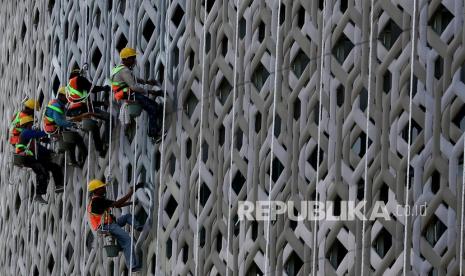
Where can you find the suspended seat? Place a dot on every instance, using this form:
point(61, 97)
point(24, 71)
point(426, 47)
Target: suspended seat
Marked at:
point(111, 247)
point(89, 125)
point(134, 109)
point(70, 136)
point(63, 146)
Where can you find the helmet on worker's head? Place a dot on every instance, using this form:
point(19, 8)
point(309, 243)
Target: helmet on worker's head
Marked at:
point(76, 71)
point(127, 53)
point(31, 104)
point(26, 119)
point(62, 90)
point(95, 184)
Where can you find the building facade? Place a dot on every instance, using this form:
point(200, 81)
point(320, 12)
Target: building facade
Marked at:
point(290, 100)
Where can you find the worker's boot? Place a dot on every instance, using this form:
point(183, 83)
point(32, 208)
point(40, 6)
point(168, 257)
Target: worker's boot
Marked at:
point(39, 199)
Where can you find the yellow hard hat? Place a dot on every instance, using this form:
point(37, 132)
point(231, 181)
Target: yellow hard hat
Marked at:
point(95, 184)
point(62, 90)
point(31, 104)
point(127, 52)
point(26, 119)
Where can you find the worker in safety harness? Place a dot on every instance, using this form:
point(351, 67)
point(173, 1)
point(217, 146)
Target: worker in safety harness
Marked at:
point(125, 87)
point(41, 162)
point(28, 110)
point(54, 121)
point(79, 89)
point(101, 218)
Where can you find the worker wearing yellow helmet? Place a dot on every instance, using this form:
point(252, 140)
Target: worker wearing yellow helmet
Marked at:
point(38, 158)
point(126, 86)
point(29, 105)
point(101, 218)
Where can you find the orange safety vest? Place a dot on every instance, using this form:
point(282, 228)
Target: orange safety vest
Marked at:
point(76, 97)
point(49, 124)
point(95, 220)
point(15, 130)
point(120, 89)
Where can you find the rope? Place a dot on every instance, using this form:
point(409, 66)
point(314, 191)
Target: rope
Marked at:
point(87, 201)
point(315, 224)
point(63, 220)
point(409, 137)
point(134, 169)
point(267, 249)
point(365, 186)
point(199, 157)
point(462, 210)
point(236, 53)
point(162, 141)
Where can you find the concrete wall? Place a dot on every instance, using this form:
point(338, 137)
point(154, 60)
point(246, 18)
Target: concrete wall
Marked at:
point(309, 79)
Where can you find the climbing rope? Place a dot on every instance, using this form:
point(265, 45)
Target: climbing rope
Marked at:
point(63, 208)
point(199, 156)
point(412, 62)
point(133, 206)
point(236, 53)
point(87, 201)
point(462, 210)
point(162, 151)
point(268, 222)
point(315, 223)
point(365, 186)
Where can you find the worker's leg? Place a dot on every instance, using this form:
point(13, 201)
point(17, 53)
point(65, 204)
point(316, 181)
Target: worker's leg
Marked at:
point(153, 111)
point(127, 219)
point(56, 171)
point(42, 176)
point(124, 240)
point(82, 148)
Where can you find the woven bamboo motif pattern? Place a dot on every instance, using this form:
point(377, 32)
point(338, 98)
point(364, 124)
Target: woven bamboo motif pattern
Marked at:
point(307, 60)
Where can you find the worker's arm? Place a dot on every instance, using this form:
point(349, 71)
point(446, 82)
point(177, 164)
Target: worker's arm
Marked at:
point(97, 89)
point(60, 119)
point(126, 76)
point(121, 202)
point(32, 134)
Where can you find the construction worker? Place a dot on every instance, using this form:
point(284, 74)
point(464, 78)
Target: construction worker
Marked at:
point(28, 110)
point(79, 89)
point(125, 87)
point(100, 218)
point(41, 162)
point(55, 121)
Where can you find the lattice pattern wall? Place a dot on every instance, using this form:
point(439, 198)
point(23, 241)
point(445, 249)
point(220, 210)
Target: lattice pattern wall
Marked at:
point(196, 61)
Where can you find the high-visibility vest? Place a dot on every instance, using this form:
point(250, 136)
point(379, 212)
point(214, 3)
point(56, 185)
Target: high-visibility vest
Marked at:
point(25, 149)
point(76, 97)
point(49, 123)
point(15, 130)
point(120, 89)
point(96, 220)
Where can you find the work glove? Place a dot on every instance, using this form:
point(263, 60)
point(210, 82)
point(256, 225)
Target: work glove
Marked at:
point(156, 93)
point(139, 186)
point(107, 88)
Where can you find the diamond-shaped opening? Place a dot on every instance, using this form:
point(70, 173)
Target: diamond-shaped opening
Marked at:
point(336, 254)
point(51, 264)
point(441, 19)
point(293, 264)
point(414, 131)
point(97, 18)
point(172, 164)
point(299, 63)
point(342, 48)
point(221, 135)
point(224, 46)
point(259, 76)
point(69, 252)
point(171, 206)
point(51, 5)
point(89, 240)
point(254, 270)
point(382, 243)
point(238, 138)
point(433, 272)
point(438, 67)
point(297, 108)
point(56, 85)
point(223, 91)
point(17, 203)
point(313, 158)
point(122, 6)
point(177, 15)
point(204, 151)
point(190, 102)
point(434, 230)
point(340, 95)
point(242, 27)
point(23, 31)
point(75, 32)
point(363, 99)
point(277, 125)
point(169, 248)
point(435, 181)
point(96, 57)
point(459, 118)
point(36, 271)
point(359, 146)
point(389, 34)
point(300, 17)
point(210, 4)
point(202, 236)
point(238, 182)
point(188, 148)
point(384, 193)
point(261, 31)
point(204, 194)
point(36, 18)
point(258, 122)
point(148, 30)
point(121, 43)
point(278, 168)
point(387, 81)
point(185, 253)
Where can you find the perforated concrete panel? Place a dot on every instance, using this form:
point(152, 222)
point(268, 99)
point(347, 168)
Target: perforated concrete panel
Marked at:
point(258, 91)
